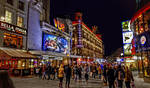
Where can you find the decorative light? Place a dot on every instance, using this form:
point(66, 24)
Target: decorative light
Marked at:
point(2, 18)
point(32, 60)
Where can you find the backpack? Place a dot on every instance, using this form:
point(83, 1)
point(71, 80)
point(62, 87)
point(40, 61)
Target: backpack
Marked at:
point(120, 75)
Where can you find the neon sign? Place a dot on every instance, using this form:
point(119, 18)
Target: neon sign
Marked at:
point(79, 34)
point(143, 40)
point(59, 25)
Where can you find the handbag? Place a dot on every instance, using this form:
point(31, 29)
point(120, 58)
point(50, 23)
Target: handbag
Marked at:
point(133, 85)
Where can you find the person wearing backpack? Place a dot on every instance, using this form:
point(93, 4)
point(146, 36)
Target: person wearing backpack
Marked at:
point(128, 77)
point(120, 75)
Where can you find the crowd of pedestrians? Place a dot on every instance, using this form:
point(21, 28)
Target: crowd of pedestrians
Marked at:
point(117, 76)
point(113, 75)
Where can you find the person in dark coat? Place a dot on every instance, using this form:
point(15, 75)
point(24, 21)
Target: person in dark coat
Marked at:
point(120, 75)
point(40, 72)
point(48, 71)
point(68, 75)
point(5, 80)
point(105, 74)
point(111, 77)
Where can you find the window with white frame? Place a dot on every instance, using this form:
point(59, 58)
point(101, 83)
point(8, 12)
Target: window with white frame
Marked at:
point(20, 21)
point(8, 16)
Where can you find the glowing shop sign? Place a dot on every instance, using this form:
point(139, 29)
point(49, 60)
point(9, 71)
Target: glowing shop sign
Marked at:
point(12, 28)
point(59, 25)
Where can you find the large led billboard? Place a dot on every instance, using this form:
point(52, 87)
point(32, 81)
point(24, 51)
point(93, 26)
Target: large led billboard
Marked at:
point(127, 37)
point(55, 43)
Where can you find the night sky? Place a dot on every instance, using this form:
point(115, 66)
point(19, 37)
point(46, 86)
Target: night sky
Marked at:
point(106, 14)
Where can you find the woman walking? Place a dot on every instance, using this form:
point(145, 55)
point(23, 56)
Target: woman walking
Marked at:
point(61, 75)
point(128, 77)
point(86, 73)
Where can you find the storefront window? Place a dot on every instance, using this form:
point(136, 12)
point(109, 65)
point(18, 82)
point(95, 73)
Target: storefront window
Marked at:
point(21, 5)
point(12, 41)
point(8, 17)
point(10, 2)
point(20, 21)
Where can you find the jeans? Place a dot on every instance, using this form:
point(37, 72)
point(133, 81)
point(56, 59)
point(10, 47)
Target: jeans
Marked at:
point(127, 84)
point(48, 76)
point(111, 84)
point(120, 83)
point(67, 81)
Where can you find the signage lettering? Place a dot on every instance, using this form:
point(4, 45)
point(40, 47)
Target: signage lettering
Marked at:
point(59, 25)
point(12, 28)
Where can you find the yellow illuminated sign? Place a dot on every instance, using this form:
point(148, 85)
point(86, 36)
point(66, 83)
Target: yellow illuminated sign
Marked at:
point(59, 25)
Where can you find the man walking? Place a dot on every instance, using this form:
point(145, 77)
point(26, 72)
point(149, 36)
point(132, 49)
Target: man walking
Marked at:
point(111, 77)
point(120, 75)
point(68, 75)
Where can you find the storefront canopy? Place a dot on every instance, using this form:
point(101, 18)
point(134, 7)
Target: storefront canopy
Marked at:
point(16, 53)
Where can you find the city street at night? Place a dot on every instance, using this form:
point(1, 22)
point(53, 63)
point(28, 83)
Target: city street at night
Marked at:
point(74, 43)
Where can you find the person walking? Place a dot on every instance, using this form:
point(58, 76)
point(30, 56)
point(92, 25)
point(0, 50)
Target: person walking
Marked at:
point(105, 75)
point(75, 72)
point(87, 73)
point(128, 77)
point(5, 81)
point(99, 71)
point(68, 75)
point(79, 71)
point(111, 77)
point(53, 72)
point(120, 75)
point(61, 75)
point(43, 72)
point(48, 70)
point(40, 72)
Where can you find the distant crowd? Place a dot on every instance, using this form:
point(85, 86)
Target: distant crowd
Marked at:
point(113, 75)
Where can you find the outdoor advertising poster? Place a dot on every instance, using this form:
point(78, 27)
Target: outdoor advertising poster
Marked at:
point(54, 43)
point(126, 26)
point(127, 37)
point(127, 49)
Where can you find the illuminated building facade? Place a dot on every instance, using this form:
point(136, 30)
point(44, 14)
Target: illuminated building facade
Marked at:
point(140, 25)
point(13, 35)
point(85, 42)
point(50, 42)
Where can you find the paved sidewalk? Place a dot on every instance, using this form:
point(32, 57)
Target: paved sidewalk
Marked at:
point(38, 83)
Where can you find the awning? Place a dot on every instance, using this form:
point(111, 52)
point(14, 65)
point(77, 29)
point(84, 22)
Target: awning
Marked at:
point(16, 53)
point(48, 53)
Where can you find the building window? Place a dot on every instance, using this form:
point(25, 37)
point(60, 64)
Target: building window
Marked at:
point(8, 16)
point(10, 2)
point(12, 41)
point(20, 21)
point(21, 5)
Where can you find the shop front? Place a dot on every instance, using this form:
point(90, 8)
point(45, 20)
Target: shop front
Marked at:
point(17, 62)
